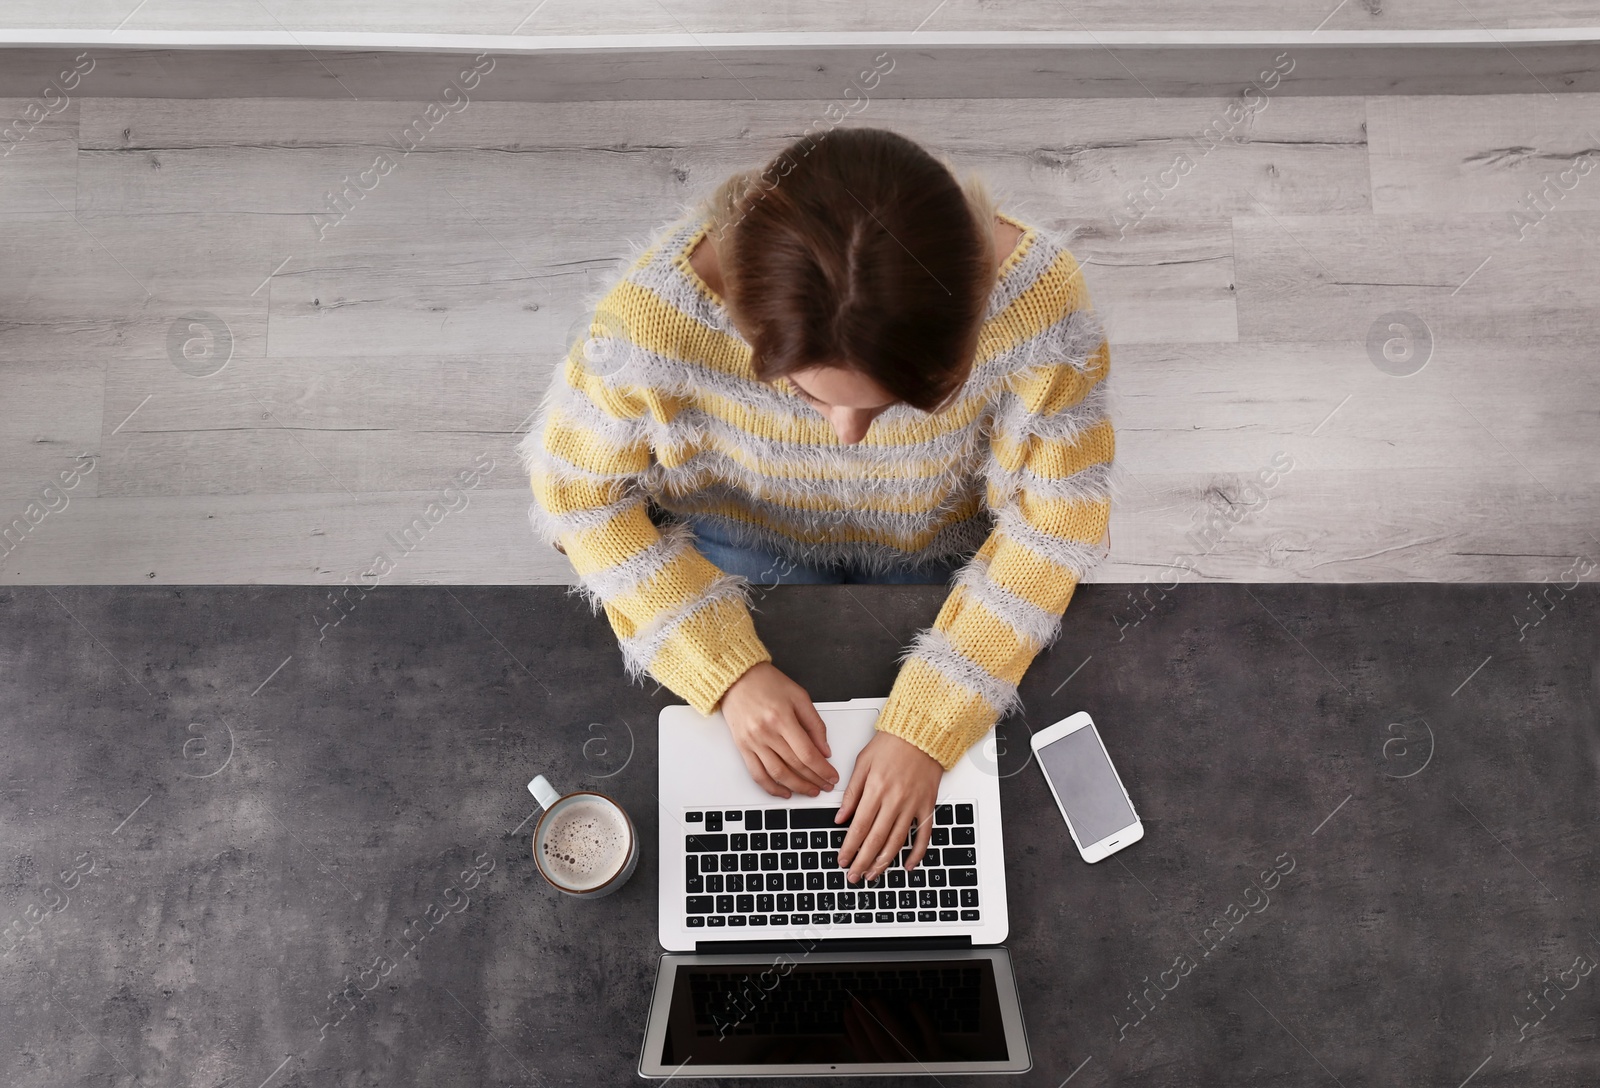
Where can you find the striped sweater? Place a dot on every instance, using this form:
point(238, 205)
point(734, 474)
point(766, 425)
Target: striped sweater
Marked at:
point(660, 405)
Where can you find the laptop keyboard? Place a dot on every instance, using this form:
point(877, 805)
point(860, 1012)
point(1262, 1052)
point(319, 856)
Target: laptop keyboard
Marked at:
point(779, 867)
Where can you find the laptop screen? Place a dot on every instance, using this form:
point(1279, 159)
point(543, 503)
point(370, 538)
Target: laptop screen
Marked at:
point(800, 1010)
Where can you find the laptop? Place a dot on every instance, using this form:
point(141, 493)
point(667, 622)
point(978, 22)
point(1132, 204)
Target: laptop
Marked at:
point(774, 966)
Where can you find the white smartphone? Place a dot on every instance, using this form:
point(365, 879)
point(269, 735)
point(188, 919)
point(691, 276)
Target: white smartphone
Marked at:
point(1090, 795)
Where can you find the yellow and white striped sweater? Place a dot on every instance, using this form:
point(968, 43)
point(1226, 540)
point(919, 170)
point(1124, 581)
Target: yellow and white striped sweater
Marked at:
point(661, 404)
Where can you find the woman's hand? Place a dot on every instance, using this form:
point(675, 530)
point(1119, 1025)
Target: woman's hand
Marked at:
point(893, 782)
point(779, 733)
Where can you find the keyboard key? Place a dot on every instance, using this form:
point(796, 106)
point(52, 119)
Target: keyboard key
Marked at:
point(936, 878)
point(836, 837)
point(867, 900)
point(819, 840)
point(969, 897)
point(847, 900)
point(691, 865)
point(752, 819)
point(836, 879)
point(716, 920)
point(705, 844)
point(963, 836)
point(778, 920)
point(947, 898)
point(930, 857)
point(800, 919)
point(775, 819)
point(738, 841)
point(897, 877)
point(729, 863)
point(736, 920)
point(758, 919)
point(948, 916)
point(694, 921)
point(922, 916)
point(814, 882)
point(786, 902)
point(862, 917)
point(884, 916)
point(908, 899)
point(876, 882)
point(698, 904)
point(789, 860)
point(794, 881)
point(829, 859)
point(713, 882)
point(964, 878)
point(745, 903)
point(724, 904)
point(927, 897)
point(812, 817)
point(917, 878)
point(733, 882)
point(694, 884)
point(805, 901)
point(941, 836)
point(943, 814)
point(906, 916)
point(960, 855)
point(820, 919)
point(774, 882)
point(713, 821)
point(841, 919)
point(758, 841)
point(694, 817)
point(769, 862)
point(779, 840)
point(810, 860)
point(963, 814)
point(749, 863)
point(826, 901)
point(765, 906)
point(734, 814)
point(969, 916)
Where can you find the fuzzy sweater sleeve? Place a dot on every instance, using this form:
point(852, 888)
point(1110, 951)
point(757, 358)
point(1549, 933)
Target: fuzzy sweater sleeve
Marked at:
point(677, 617)
point(1048, 487)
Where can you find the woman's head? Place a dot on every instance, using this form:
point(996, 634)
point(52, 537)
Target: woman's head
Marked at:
point(858, 268)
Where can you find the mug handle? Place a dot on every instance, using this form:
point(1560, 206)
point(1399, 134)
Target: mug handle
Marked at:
point(543, 791)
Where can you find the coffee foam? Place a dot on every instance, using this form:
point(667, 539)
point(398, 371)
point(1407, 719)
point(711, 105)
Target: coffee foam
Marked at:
point(585, 844)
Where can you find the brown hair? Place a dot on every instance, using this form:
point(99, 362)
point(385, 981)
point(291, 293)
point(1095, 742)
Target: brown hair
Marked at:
point(858, 248)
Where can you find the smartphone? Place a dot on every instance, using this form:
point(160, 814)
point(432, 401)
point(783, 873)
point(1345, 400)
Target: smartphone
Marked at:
point(1086, 787)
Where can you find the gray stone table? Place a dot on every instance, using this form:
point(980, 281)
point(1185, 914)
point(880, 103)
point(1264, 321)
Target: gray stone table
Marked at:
point(212, 821)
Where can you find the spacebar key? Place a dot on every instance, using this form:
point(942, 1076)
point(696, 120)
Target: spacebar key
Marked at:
point(812, 817)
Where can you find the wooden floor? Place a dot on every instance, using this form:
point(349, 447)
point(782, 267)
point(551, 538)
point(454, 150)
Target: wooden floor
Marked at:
point(725, 16)
point(370, 367)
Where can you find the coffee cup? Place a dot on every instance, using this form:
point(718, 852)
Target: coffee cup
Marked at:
point(584, 843)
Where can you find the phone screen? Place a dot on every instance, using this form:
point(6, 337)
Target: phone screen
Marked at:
point(1087, 785)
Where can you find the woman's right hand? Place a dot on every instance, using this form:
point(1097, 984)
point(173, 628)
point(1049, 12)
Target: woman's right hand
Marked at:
point(779, 733)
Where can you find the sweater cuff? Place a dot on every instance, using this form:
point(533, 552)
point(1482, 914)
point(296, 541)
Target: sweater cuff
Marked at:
point(708, 652)
point(941, 718)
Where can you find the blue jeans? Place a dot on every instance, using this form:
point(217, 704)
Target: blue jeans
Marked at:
point(768, 568)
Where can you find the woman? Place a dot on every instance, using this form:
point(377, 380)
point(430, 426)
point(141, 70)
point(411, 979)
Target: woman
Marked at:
point(847, 367)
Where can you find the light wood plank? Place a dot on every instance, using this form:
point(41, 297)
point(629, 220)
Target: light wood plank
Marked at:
point(1485, 154)
point(52, 412)
point(38, 169)
point(1467, 276)
point(1168, 281)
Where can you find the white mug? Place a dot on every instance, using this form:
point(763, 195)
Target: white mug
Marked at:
point(576, 841)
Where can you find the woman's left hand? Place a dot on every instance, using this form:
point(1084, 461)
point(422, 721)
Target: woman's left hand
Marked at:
point(893, 782)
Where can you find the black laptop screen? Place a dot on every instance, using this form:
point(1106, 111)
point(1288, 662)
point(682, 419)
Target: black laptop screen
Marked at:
point(789, 1012)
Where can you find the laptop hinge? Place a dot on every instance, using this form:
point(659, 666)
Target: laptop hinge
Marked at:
point(802, 946)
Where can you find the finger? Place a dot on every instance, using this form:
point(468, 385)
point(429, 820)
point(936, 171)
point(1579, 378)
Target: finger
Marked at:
point(786, 776)
point(760, 775)
point(851, 853)
point(809, 756)
point(875, 844)
point(894, 840)
point(814, 725)
point(852, 791)
point(924, 833)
